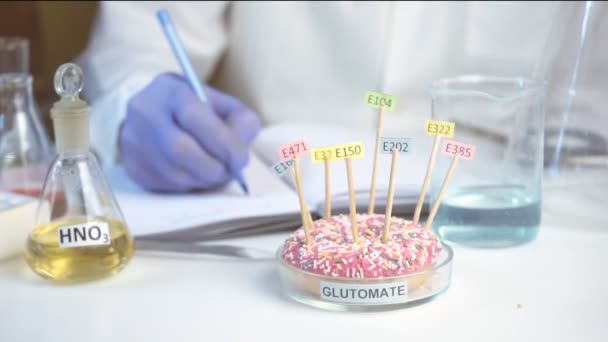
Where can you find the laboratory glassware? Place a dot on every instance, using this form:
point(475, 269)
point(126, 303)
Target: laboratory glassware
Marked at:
point(14, 55)
point(576, 136)
point(80, 232)
point(24, 146)
point(494, 200)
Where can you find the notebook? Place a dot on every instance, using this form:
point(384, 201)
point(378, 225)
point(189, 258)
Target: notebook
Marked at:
point(273, 203)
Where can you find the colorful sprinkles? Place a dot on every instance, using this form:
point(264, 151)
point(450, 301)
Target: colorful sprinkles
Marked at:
point(333, 252)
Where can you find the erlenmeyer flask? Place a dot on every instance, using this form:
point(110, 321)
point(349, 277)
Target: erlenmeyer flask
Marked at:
point(576, 138)
point(24, 146)
point(80, 233)
point(574, 65)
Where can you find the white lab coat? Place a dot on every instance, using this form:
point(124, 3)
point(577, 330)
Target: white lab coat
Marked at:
point(309, 61)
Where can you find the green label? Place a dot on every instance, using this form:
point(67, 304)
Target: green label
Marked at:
point(377, 100)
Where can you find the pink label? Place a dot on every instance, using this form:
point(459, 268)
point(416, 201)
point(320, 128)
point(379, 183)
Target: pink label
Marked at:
point(464, 151)
point(289, 151)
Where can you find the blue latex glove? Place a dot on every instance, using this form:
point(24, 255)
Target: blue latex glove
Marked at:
point(172, 142)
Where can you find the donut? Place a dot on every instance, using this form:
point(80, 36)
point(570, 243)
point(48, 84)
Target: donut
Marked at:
point(409, 250)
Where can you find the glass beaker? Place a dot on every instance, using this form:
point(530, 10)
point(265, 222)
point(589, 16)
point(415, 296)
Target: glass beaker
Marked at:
point(14, 55)
point(24, 147)
point(576, 139)
point(495, 199)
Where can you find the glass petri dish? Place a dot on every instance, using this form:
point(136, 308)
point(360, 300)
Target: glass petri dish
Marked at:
point(366, 294)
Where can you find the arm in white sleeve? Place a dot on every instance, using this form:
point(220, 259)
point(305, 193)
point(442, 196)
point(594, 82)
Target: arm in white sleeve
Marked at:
point(127, 49)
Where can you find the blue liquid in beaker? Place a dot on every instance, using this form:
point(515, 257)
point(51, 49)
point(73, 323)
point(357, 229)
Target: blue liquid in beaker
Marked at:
point(489, 216)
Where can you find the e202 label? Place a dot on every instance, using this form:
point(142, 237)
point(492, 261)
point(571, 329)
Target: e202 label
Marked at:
point(388, 144)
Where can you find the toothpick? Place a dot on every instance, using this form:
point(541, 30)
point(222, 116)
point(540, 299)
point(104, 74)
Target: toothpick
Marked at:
point(391, 192)
point(351, 194)
point(444, 186)
point(427, 177)
point(372, 190)
point(327, 192)
point(306, 219)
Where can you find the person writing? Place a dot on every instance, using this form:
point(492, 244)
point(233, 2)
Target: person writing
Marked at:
point(279, 62)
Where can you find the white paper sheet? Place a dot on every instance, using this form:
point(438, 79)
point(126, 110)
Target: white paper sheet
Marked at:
point(152, 213)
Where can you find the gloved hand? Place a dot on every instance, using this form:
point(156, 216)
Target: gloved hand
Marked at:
point(173, 142)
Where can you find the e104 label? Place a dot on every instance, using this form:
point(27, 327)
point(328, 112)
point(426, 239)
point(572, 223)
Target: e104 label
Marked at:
point(442, 128)
point(462, 150)
point(388, 144)
point(379, 100)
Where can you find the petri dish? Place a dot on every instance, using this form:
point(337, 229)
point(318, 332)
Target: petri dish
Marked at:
point(366, 294)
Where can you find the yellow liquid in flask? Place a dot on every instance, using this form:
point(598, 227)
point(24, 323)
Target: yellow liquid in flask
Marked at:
point(76, 264)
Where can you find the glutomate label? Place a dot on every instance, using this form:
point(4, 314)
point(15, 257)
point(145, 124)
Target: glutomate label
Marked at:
point(364, 294)
point(86, 234)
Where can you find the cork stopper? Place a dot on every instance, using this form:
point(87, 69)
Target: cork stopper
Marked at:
point(70, 114)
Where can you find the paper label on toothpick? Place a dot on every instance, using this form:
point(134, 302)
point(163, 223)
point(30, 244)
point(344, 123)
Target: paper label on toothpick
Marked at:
point(377, 100)
point(281, 167)
point(293, 149)
point(364, 293)
point(443, 128)
point(351, 150)
point(319, 154)
point(388, 144)
point(92, 233)
point(464, 151)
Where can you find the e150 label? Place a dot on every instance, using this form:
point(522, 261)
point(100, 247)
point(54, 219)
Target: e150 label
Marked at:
point(352, 150)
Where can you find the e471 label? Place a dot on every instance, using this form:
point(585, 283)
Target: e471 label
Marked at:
point(292, 150)
point(92, 233)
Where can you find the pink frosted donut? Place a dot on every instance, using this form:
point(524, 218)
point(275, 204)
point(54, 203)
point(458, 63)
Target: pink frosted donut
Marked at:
point(332, 252)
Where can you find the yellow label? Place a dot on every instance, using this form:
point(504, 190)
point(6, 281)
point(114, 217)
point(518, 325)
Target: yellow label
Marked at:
point(319, 154)
point(377, 100)
point(351, 150)
point(443, 128)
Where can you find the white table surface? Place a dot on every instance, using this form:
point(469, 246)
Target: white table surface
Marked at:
point(560, 280)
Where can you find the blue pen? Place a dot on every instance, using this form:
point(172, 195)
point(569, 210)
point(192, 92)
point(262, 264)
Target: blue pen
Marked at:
point(188, 70)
